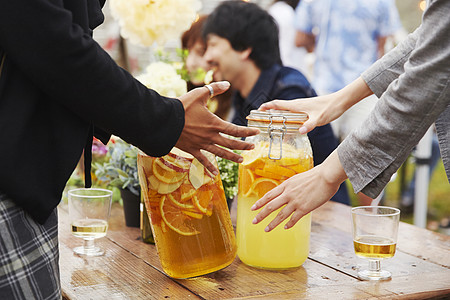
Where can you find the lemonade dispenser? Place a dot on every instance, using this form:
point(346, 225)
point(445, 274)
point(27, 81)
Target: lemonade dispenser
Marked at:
point(280, 152)
point(189, 215)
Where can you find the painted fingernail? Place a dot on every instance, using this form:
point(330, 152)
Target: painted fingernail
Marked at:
point(240, 160)
point(254, 221)
point(267, 229)
point(215, 172)
point(302, 130)
point(253, 207)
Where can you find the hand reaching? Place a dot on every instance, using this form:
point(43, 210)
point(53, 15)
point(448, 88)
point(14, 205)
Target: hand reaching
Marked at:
point(204, 131)
point(301, 193)
point(323, 109)
point(320, 110)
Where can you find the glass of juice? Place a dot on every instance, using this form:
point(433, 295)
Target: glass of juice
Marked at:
point(189, 215)
point(89, 211)
point(280, 152)
point(375, 238)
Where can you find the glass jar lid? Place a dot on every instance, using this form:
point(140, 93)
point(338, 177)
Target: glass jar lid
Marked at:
point(289, 120)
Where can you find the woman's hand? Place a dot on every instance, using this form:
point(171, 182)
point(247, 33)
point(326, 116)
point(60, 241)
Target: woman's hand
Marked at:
point(319, 110)
point(301, 193)
point(323, 109)
point(204, 131)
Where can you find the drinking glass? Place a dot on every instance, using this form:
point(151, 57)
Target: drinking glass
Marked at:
point(375, 237)
point(89, 210)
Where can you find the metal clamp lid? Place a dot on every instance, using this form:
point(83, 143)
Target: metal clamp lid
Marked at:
point(276, 132)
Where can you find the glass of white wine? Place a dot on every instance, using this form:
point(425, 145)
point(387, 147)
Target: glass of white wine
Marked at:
point(375, 237)
point(89, 210)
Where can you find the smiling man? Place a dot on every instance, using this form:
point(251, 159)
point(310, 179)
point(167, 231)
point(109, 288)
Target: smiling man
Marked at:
point(242, 44)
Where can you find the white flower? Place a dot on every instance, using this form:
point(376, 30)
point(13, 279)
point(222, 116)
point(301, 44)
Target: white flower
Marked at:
point(163, 78)
point(144, 22)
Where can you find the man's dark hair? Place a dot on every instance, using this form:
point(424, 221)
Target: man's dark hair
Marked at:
point(246, 25)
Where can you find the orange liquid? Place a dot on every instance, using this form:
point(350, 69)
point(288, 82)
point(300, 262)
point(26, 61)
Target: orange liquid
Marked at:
point(279, 249)
point(191, 225)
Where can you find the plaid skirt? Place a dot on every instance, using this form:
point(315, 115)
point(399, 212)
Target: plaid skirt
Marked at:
point(28, 254)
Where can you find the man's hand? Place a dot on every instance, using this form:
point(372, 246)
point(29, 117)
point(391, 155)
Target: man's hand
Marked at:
point(204, 131)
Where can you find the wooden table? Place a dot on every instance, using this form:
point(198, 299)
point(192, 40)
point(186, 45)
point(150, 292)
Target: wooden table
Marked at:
point(130, 269)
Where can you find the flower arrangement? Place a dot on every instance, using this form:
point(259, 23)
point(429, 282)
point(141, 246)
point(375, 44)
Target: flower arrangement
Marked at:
point(120, 167)
point(229, 174)
point(145, 22)
point(163, 78)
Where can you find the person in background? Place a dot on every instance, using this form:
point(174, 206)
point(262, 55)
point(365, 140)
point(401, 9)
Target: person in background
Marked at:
point(413, 84)
point(346, 36)
point(242, 43)
point(58, 89)
point(197, 68)
point(283, 11)
point(408, 195)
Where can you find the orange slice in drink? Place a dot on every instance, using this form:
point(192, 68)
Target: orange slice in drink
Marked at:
point(186, 191)
point(175, 219)
point(166, 174)
point(304, 165)
point(289, 161)
point(262, 185)
point(253, 158)
point(153, 196)
point(167, 188)
point(201, 200)
point(192, 214)
point(274, 171)
point(176, 202)
point(153, 183)
point(161, 187)
point(246, 179)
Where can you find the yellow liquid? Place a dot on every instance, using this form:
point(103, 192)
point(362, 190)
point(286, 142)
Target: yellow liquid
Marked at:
point(278, 249)
point(89, 228)
point(374, 247)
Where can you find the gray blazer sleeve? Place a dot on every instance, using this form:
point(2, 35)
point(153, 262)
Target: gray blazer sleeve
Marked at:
point(412, 82)
point(384, 71)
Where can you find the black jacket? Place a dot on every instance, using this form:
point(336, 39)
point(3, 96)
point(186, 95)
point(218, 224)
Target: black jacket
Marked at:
point(57, 85)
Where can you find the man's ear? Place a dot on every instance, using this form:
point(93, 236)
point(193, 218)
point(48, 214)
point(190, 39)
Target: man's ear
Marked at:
point(246, 53)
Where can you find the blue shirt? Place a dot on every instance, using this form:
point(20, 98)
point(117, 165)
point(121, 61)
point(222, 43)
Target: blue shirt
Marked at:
point(286, 83)
point(347, 33)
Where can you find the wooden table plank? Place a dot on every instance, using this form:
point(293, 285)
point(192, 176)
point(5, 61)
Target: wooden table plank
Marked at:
point(334, 248)
point(119, 274)
point(432, 246)
point(131, 269)
point(232, 282)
